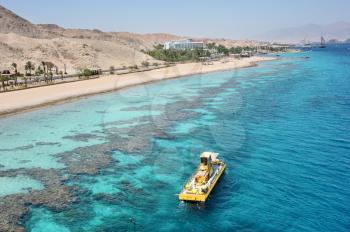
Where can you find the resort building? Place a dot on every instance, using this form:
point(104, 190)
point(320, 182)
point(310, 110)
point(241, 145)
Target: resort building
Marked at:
point(183, 44)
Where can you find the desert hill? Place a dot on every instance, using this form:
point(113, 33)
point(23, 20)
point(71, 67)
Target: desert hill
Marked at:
point(22, 41)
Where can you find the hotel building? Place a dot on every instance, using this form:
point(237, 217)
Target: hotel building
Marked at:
point(183, 44)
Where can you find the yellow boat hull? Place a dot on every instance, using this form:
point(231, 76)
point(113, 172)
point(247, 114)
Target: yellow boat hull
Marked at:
point(203, 196)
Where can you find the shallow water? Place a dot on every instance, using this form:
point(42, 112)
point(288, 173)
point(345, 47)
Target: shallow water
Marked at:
point(282, 127)
point(18, 184)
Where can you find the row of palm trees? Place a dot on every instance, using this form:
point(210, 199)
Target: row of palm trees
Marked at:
point(45, 69)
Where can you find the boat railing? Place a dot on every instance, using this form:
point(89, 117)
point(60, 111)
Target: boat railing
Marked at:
point(214, 175)
point(189, 180)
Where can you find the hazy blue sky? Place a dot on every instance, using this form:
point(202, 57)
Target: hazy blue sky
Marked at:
point(215, 18)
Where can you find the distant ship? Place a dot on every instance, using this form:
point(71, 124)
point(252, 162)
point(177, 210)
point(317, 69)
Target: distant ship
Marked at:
point(323, 43)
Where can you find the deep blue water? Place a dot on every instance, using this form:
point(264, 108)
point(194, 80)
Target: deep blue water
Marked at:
point(282, 127)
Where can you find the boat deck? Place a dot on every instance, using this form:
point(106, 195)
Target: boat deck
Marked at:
point(194, 193)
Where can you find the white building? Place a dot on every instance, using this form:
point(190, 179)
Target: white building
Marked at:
point(183, 44)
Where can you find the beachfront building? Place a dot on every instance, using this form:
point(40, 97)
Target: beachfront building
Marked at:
point(183, 44)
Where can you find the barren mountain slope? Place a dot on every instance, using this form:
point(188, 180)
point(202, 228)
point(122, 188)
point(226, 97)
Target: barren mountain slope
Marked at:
point(75, 53)
point(22, 41)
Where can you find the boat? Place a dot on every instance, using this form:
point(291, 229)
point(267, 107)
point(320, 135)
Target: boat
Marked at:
point(323, 43)
point(204, 179)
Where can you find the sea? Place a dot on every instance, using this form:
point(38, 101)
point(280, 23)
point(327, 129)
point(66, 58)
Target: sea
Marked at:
point(282, 127)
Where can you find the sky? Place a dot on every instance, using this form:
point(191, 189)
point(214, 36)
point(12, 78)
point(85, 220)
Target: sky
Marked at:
point(234, 19)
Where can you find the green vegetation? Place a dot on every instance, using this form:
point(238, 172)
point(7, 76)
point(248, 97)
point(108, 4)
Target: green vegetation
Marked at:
point(49, 67)
point(212, 50)
point(29, 67)
point(173, 55)
point(46, 70)
point(39, 71)
point(2, 80)
point(239, 50)
point(223, 50)
point(86, 72)
point(89, 72)
point(14, 65)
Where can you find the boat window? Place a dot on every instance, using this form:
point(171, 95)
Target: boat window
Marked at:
point(204, 160)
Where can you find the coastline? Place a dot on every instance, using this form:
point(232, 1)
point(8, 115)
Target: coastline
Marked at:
point(28, 99)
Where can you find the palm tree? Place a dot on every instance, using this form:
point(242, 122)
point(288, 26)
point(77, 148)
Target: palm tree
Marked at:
point(3, 79)
point(51, 76)
point(39, 71)
point(47, 66)
point(14, 65)
point(45, 74)
point(50, 66)
point(43, 63)
point(61, 73)
point(29, 67)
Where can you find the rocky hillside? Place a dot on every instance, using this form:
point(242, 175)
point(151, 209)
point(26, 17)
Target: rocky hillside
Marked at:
point(21, 41)
point(12, 23)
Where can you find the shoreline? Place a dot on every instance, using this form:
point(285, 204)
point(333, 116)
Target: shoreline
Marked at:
point(33, 98)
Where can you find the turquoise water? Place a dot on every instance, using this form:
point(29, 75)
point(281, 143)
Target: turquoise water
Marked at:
point(283, 128)
point(18, 184)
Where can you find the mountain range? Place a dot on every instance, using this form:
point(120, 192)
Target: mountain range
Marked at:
point(309, 32)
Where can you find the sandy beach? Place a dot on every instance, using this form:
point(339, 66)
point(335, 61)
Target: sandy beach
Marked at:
point(16, 101)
